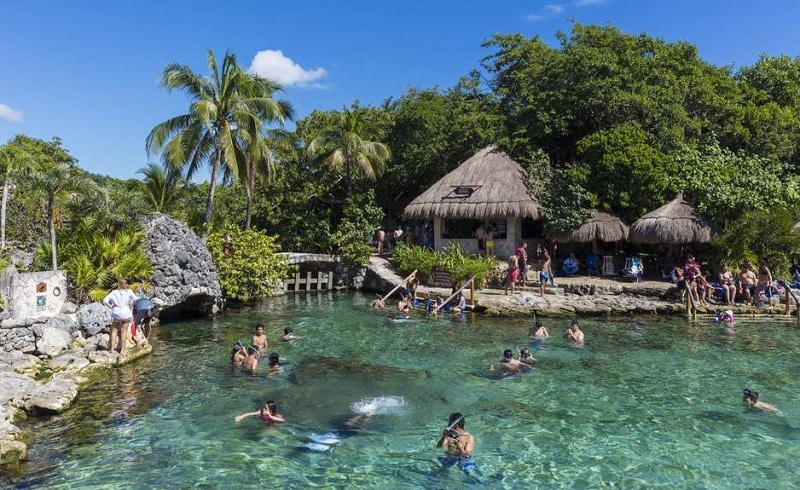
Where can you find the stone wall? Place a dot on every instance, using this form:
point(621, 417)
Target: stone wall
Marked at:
point(35, 294)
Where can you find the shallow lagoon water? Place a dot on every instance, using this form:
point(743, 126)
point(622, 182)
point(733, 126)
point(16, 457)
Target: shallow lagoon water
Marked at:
point(647, 402)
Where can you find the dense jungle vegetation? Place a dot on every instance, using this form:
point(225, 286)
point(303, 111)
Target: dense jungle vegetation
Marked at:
point(605, 119)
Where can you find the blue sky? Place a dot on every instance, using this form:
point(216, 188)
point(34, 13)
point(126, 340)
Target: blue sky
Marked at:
point(87, 71)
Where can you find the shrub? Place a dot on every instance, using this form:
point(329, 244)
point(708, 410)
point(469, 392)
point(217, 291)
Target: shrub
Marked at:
point(247, 262)
point(452, 259)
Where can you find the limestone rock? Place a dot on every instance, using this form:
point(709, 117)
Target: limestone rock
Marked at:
point(19, 361)
point(94, 318)
point(13, 385)
point(185, 278)
point(54, 396)
point(69, 362)
point(55, 336)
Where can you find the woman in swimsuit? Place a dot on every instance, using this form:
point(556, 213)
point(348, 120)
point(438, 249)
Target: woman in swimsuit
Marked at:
point(269, 414)
point(726, 281)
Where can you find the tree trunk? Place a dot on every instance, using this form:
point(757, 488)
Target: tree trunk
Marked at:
point(211, 186)
point(51, 219)
point(249, 187)
point(3, 215)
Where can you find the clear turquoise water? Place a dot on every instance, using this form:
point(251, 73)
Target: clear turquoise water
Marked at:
point(648, 403)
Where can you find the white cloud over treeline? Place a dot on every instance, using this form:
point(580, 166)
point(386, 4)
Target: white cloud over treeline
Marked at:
point(7, 112)
point(274, 65)
point(554, 9)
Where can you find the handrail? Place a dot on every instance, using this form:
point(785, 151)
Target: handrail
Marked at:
point(405, 281)
point(469, 281)
point(794, 297)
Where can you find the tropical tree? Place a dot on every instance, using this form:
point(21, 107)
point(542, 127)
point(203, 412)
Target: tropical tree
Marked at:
point(351, 143)
point(7, 160)
point(57, 180)
point(161, 186)
point(222, 104)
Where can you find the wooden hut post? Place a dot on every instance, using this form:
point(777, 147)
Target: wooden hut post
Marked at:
point(472, 294)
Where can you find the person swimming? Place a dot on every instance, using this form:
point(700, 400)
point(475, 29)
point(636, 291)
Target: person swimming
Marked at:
point(509, 364)
point(288, 335)
point(538, 331)
point(250, 364)
point(750, 398)
point(268, 414)
point(238, 355)
point(275, 362)
point(724, 316)
point(526, 357)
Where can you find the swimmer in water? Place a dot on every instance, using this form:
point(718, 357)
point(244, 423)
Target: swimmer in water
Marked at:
point(458, 443)
point(238, 355)
point(526, 357)
point(288, 335)
point(260, 339)
point(538, 331)
point(250, 363)
point(268, 414)
point(575, 334)
point(750, 398)
point(275, 363)
point(509, 364)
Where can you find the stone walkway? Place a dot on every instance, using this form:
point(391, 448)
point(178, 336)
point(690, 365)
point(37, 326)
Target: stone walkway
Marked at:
point(578, 296)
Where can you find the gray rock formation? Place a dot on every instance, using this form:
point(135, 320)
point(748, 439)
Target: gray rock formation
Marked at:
point(54, 396)
point(185, 280)
point(94, 318)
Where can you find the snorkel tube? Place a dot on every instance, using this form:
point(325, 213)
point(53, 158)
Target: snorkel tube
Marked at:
point(450, 430)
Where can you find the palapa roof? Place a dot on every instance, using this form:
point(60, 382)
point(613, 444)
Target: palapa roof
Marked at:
point(488, 185)
point(675, 223)
point(599, 226)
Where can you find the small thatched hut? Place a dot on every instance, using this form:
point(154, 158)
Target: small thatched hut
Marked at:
point(600, 226)
point(488, 190)
point(676, 223)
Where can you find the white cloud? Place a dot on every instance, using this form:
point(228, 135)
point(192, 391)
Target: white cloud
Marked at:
point(553, 8)
point(581, 3)
point(534, 18)
point(10, 114)
point(272, 64)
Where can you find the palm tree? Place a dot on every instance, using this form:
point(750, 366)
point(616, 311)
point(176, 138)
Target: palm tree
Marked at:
point(347, 144)
point(57, 180)
point(161, 186)
point(221, 104)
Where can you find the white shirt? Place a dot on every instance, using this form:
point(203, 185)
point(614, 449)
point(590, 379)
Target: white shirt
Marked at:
point(120, 301)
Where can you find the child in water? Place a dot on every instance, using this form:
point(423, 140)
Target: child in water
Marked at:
point(288, 335)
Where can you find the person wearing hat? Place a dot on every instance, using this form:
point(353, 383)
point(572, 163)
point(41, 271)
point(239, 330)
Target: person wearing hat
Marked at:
point(575, 333)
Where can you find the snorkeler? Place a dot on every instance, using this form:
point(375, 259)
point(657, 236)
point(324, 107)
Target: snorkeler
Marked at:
point(238, 355)
point(260, 339)
point(750, 397)
point(724, 316)
point(458, 443)
point(538, 331)
point(509, 364)
point(526, 357)
point(268, 414)
point(250, 363)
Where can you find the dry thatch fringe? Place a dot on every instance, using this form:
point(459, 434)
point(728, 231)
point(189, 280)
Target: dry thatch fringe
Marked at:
point(673, 223)
point(499, 189)
point(600, 226)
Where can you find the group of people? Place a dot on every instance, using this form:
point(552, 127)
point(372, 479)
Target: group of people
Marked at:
point(385, 242)
point(748, 285)
point(517, 272)
point(129, 313)
point(247, 357)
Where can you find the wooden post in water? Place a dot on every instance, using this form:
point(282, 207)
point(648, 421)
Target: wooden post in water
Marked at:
point(472, 294)
point(405, 281)
point(788, 300)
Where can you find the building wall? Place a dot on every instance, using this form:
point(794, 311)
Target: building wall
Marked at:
point(503, 248)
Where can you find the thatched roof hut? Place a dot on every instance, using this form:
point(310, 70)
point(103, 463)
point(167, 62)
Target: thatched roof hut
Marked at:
point(600, 226)
point(673, 223)
point(488, 185)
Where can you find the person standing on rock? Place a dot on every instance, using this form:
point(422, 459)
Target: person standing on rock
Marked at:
point(121, 301)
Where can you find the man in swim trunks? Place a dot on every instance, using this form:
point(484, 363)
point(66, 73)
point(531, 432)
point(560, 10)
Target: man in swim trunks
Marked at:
point(545, 273)
point(458, 443)
point(260, 339)
point(747, 283)
point(522, 253)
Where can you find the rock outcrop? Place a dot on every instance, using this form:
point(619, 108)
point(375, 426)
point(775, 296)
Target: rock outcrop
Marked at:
point(185, 281)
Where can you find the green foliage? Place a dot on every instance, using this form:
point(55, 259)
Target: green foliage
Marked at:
point(94, 261)
point(724, 185)
point(353, 235)
point(247, 262)
point(452, 259)
point(761, 235)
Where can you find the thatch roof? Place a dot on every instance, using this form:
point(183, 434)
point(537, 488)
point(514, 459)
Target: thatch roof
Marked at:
point(675, 223)
point(600, 226)
point(488, 185)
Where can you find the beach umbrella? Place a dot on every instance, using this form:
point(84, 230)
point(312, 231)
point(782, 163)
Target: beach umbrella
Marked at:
point(675, 223)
